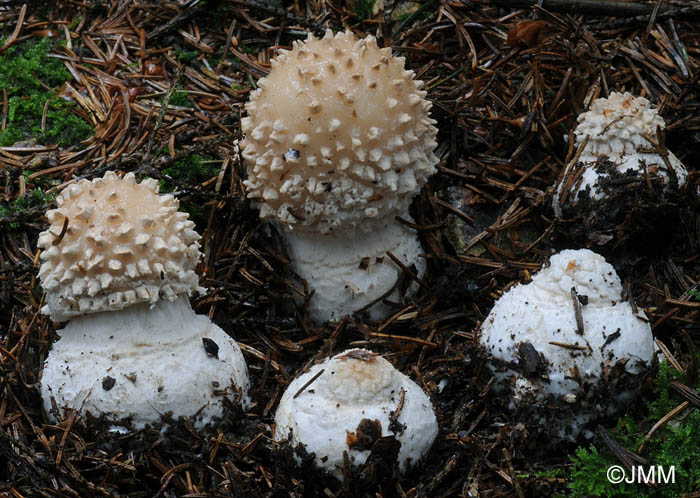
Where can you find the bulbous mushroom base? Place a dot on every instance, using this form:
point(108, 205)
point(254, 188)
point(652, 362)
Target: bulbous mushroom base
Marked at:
point(141, 364)
point(350, 269)
point(618, 203)
point(564, 375)
point(347, 406)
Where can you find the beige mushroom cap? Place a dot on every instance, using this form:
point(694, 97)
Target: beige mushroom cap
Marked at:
point(338, 132)
point(113, 243)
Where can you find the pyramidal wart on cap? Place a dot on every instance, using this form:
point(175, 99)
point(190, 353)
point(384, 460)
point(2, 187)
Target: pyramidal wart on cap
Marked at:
point(119, 263)
point(338, 142)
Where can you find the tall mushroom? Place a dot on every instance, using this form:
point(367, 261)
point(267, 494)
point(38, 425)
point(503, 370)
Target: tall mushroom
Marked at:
point(338, 142)
point(118, 262)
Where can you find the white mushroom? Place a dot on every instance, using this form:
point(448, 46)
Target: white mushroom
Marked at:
point(338, 142)
point(618, 128)
point(568, 344)
point(349, 401)
point(119, 262)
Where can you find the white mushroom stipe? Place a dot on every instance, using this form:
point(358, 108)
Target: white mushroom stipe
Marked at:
point(619, 128)
point(142, 363)
point(567, 377)
point(123, 257)
point(346, 403)
point(322, 160)
point(350, 270)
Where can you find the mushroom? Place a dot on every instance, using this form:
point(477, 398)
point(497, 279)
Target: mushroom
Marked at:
point(350, 402)
point(618, 133)
point(338, 142)
point(118, 262)
point(571, 348)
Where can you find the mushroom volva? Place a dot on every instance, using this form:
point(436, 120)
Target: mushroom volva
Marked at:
point(622, 184)
point(349, 403)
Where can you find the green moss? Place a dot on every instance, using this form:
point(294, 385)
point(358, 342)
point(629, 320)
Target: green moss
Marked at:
point(364, 8)
point(676, 444)
point(187, 172)
point(180, 99)
point(248, 49)
point(191, 170)
point(131, 65)
point(25, 73)
point(666, 398)
point(35, 198)
point(74, 23)
point(695, 294)
point(186, 56)
point(34, 201)
point(24, 66)
point(24, 121)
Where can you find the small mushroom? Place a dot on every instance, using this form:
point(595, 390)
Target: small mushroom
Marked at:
point(118, 262)
point(338, 142)
point(619, 133)
point(349, 402)
point(568, 363)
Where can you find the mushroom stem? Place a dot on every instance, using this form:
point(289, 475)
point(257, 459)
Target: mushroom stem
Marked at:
point(349, 269)
point(144, 362)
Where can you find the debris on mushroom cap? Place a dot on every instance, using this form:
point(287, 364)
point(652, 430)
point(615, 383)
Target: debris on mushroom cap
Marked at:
point(337, 404)
point(113, 243)
point(141, 363)
point(569, 341)
point(618, 124)
point(620, 128)
point(337, 132)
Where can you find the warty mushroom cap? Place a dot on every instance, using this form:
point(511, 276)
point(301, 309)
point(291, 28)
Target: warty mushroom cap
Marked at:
point(355, 389)
point(338, 132)
point(113, 243)
point(617, 125)
point(540, 318)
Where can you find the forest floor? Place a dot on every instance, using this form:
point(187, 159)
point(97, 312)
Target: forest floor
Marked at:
point(158, 88)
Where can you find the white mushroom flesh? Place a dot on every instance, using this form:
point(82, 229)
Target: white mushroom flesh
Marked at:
point(142, 363)
point(350, 270)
